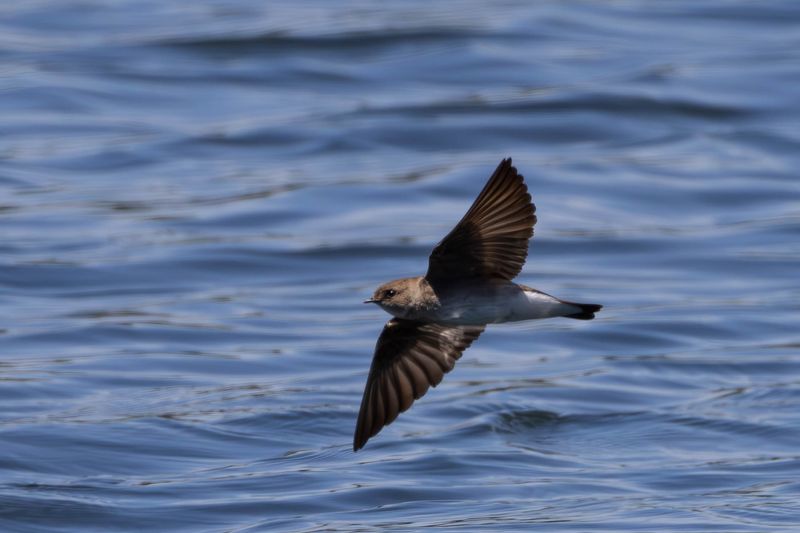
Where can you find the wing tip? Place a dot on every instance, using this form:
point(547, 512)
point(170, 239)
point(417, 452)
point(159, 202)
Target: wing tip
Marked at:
point(507, 170)
point(360, 437)
point(507, 165)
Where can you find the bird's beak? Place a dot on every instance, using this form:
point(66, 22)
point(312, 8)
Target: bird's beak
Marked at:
point(370, 301)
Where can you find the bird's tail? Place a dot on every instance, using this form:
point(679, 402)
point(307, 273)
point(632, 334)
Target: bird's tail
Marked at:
point(586, 312)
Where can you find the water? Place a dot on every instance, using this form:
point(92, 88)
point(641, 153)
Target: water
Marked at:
point(196, 196)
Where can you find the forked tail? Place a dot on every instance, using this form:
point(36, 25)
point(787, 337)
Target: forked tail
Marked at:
point(586, 312)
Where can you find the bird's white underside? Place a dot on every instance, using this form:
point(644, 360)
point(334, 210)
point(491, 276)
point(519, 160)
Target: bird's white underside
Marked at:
point(476, 309)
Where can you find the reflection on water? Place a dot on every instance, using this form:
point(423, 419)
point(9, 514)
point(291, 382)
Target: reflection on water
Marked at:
point(194, 200)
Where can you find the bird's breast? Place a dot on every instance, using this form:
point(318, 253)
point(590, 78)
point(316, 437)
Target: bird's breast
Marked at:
point(495, 304)
point(474, 306)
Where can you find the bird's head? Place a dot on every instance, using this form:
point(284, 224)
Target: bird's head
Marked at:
point(395, 297)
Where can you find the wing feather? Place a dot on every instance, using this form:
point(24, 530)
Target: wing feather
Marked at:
point(410, 357)
point(491, 240)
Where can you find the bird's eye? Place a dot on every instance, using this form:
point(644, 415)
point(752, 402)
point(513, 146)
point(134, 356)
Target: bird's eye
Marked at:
point(389, 294)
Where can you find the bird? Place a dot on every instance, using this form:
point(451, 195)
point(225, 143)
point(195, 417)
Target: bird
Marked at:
point(467, 286)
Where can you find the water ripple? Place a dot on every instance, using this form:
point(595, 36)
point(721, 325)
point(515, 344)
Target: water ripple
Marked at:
point(195, 199)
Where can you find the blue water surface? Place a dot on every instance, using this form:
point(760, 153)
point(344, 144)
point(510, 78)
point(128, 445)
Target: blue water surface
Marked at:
point(195, 197)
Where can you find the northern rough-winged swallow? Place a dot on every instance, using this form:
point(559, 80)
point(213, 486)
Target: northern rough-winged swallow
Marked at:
point(468, 285)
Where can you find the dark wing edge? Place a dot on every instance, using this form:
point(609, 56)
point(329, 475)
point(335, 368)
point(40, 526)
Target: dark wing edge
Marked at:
point(410, 357)
point(491, 240)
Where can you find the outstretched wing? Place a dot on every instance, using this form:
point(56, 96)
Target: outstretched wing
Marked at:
point(491, 241)
point(409, 358)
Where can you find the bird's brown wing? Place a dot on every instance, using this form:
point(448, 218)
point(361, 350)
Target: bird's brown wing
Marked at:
point(491, 241)
point(409, 358)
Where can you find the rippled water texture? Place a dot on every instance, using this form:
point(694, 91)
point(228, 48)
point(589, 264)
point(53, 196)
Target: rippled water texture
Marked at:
point(195, 197)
